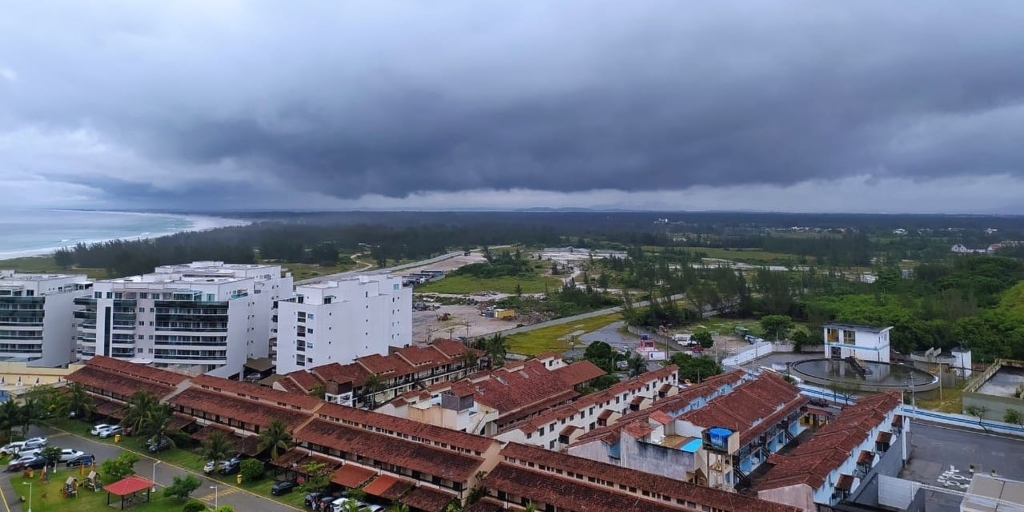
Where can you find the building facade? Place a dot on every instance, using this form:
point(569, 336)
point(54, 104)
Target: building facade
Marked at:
point(863, 342)
point(203, 317)
point(37, 316)
point(338, 321)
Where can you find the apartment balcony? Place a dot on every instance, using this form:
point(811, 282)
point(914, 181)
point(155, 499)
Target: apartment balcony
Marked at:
point(85, 301)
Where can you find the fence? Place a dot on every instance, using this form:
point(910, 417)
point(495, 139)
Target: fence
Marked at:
point(759, 349)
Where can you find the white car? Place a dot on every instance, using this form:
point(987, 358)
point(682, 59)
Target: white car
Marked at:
point(67, 454)
point(33, 452)
point(213, 465)
point(12, 448)
point(99, 428)
point(35, 442)
point(110, 431)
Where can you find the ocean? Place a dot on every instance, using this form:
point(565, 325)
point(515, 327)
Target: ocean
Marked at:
point(34, 232)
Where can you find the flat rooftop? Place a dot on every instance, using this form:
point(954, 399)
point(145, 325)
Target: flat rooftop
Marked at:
point(993, 494)
point(856, 327)
point(1004, 382)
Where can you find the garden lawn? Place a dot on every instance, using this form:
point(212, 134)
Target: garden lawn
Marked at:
point(548, 339)
point(506, 284)
point(87, 500)
point(751, 256)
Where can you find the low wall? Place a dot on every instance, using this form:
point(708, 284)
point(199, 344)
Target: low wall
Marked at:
point(756, 351)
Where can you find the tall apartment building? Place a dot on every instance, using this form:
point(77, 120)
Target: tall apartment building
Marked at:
point(203, 317)
point(37, 320)
point(338, 321)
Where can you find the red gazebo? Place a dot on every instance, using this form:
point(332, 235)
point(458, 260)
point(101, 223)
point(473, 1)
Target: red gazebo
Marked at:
point(128, 487)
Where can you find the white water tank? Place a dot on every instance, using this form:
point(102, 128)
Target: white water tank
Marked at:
point(963, 362)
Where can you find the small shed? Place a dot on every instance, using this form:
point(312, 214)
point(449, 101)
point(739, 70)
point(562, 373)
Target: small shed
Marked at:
point(128, 489)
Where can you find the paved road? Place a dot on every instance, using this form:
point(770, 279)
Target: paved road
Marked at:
point(238, 498)
point(936, 448)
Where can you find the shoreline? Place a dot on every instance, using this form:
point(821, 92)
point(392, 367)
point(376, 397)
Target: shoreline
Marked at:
point(197, 223)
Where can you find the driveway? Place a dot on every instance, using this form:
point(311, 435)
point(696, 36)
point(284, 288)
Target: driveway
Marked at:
point(238, 498)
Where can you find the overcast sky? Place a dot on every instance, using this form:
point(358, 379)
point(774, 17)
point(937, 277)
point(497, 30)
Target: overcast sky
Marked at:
point(872, 106)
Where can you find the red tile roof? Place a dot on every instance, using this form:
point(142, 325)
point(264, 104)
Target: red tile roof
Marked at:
point(128, 485)
point(397, 489)
point(390, 450)
point(352, 476)
point(256, 393)
point(638, 429)
point(811, 462)
point(453, 438)
point(342, 373)
point(565, 493)
point(597, 398)
point(661, 417)
point(125, 385)
point(239, 409)
point(139, 371)
point(428, 499)
point(519, 454)
point(380, 484)
point(484, 506)
point(710, 386)
point(751, 408)
point(451, 348)
point(404, 361)
point(579, 372)
point(527, 389)
point(306, 381)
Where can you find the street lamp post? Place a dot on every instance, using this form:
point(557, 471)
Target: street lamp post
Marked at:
point(154, 474)
point(214, 487)
point(29, 484)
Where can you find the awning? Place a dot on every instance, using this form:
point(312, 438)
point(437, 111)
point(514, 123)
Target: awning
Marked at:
point(352, 476)
point(387, 485)
point(111, 409)
point(261, 364)
point(290, 458)
point(884, 437)
point(179, 422)
point(845, 483)
point(428, 499)
point(865, 458)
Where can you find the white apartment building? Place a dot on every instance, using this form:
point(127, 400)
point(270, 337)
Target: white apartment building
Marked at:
point(338, 321)
point(37, 316)
point(201, 317)
point(864, 342)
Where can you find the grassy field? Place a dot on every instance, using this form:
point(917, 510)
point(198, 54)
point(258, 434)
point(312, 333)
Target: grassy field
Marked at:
point(469, 284)
point(302, 271)
point(48, 498)
point(181, 458)
point(951, 402)
point(45, 264)
point(547, 339)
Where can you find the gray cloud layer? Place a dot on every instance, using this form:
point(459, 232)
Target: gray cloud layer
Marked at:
point(392, 98)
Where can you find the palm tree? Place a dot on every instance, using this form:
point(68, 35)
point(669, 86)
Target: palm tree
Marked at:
point(159, 419)
point(10, 417)
point(637, 365)
point(497, 348)
point(469, 359)
point(398, 507)
point(139, 411)
point(79, 402)
point(216, 446)
point(30, 414)
point(275, 437)
point(530, 507)
point(371, 387)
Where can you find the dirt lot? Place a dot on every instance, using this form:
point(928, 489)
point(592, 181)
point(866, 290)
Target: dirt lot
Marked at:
point(426, 323)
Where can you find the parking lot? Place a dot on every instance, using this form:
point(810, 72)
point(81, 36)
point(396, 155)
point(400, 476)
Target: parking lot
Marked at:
point(224, 494)
point(942, 457)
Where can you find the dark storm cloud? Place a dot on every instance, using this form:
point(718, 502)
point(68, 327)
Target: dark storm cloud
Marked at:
point(399, 97)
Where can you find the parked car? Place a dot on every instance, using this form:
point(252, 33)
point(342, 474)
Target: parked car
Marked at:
point(158, 445)
point(99, 428)
point(327, 500)
point(369, 507)
point(111, 431)
point(233, 466)
point(26, 462)
point(68, 453)
point(819, 402)
point(12, 448)
point(212, 466)
point(340, 504)
point(34, 452)
point(35, 442)
point(312, 498)
point(283, 487)
point(85, 459)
